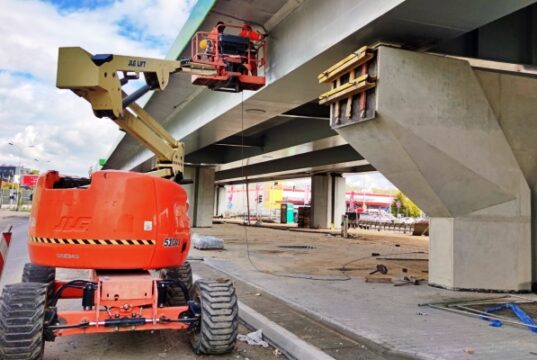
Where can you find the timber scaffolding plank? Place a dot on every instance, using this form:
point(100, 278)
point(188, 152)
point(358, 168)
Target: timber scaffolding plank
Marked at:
point(350, 78)
point(346, 90)
point(351, 62)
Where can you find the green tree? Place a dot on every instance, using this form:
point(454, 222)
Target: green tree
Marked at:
point(407, 206)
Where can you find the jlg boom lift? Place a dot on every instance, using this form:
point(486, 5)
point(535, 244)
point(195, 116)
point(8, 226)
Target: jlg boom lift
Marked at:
point(120, 225)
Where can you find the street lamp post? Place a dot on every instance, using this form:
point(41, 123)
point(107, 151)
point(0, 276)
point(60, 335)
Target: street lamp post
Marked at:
point(41, 162)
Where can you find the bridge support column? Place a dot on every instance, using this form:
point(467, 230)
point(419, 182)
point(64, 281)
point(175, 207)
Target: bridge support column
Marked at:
point(200, 195)
point(219, 200)
point(460, 142)
point(327, 200)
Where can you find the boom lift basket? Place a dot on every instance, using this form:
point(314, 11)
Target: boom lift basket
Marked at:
point(240, 62)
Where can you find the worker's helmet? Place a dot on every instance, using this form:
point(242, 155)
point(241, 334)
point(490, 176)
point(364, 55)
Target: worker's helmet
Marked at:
point(220, 26)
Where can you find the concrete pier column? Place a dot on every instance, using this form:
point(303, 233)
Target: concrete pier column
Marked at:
point(200, 195)
point(219, 200)
point(461, 143)
point(327, 200)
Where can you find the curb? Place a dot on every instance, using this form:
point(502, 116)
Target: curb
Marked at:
point(282, 338)
point(383, 349)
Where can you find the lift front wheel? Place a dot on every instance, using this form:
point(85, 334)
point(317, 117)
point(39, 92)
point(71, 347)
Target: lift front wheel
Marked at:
point(22, 316)
point(218, 327)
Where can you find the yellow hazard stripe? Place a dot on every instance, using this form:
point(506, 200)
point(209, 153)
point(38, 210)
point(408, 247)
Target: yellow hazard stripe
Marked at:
point(42, 240)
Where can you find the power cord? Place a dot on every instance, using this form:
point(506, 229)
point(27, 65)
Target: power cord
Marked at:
point(246, 239)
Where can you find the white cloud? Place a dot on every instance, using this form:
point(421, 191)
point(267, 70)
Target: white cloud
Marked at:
point(60, 126)
point(368, 181)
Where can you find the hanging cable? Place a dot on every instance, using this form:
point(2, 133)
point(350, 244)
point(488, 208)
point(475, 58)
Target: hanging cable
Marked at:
point(247, 242)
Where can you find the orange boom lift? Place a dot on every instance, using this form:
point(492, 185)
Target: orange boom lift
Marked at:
point(129, 230)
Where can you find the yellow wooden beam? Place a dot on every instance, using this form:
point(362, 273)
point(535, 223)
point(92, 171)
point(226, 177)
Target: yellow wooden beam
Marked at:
point(349, 63)
point(344, 86)
point(349, 89)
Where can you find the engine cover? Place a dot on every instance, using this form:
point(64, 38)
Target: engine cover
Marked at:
point(115, 220)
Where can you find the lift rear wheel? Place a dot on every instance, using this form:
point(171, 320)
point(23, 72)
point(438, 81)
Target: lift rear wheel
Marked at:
point(40, 274)
point(22, 316)
point(218, 327)
point(183, 273)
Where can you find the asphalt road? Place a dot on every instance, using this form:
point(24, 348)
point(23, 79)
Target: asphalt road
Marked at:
point(137, 345)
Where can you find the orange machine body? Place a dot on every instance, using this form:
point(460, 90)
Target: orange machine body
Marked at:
point(121, 220)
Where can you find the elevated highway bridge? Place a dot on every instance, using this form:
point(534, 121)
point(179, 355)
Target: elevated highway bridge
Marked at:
point(280, 131)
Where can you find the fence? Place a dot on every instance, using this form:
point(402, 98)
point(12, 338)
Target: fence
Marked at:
point(414, 229)
point(9, 199)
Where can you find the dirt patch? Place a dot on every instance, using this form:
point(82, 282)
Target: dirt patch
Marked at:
point(320, 253)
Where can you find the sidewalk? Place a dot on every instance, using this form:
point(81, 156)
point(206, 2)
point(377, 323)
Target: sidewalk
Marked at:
point(311, 331)
point(390, 317)
point(381, 313)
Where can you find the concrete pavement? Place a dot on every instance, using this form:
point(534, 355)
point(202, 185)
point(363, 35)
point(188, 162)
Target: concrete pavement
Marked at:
point(389, 316)
point(296, 325)
point(381, 313)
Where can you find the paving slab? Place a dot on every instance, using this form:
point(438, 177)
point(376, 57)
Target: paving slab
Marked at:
point(390, 316)
point(335, 344)
point(381, 313)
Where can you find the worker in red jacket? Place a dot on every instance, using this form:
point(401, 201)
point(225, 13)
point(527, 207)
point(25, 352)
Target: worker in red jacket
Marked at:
point(249, 33)
point(252, 35)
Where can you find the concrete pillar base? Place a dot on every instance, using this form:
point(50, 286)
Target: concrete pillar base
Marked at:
point(327, 200)
point(219, 200)
point(200, 195)
point(480, 253)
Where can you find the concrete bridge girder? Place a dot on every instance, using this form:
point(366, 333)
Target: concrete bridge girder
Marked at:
point(461, 144)
point(299, 49)
point(302, 43)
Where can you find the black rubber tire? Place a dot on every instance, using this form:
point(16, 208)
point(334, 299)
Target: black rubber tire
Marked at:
point(22, 316)
point(40, 274)
point(183, 273)
point(219, 324)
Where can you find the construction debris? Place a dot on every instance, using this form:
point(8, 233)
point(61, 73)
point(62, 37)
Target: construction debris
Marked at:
point(487, 308)
point(376, 279)
point(381, 268)
point(469, 351)
point(407, 280)
point(402, 259)
point(205, 242)
point(254, 338)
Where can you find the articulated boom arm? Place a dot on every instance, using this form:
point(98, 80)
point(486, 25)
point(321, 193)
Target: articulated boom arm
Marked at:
point(97, 79)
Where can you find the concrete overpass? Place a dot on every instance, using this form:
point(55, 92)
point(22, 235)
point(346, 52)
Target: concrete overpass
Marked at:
point(280, 131)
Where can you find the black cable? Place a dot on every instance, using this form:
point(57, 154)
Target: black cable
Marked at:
point(344, 269)
point(76, 284)
point(245, 177)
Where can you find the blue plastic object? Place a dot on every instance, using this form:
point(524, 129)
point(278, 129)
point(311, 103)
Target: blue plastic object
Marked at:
point(517, 310)
point(525, 318)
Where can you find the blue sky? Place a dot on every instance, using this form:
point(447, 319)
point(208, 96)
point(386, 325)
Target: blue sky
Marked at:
point(66, 6)
point(55, 126)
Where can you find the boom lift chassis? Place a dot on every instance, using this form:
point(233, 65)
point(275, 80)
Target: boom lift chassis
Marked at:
point(117, 230)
